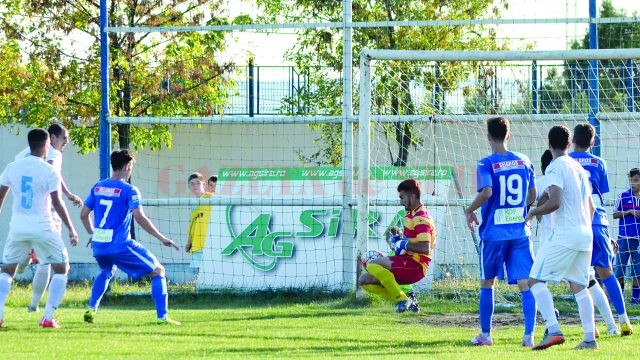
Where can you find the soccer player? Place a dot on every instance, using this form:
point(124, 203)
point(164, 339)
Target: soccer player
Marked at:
point(413, 252)
point(114, 202)
point(211, 184)
point(198, 223)
point(505, 185)
point(565, 251)
point(628, 211)
point(395, 234)
point(603, 246)
point(59, 138)
point(35, 186)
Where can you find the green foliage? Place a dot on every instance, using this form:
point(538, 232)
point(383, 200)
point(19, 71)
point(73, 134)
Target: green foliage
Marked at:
point(321, 50)
point(151, 74)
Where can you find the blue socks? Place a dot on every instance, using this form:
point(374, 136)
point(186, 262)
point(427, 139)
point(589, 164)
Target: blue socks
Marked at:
point(486, 309)
point(529, 311)
point(100, 285)
point(160, 296)
point(615, 294)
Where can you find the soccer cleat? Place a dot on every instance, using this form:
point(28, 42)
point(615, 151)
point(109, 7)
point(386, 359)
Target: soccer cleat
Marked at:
point(587, 345)
point(403, 305)
point(88, 316)
point(415, 307)
point(168, 321)
point(626, 329)
point(482, 340)
point(549, 340)
point(527, 341)
point(33, 308)
point(49, 323)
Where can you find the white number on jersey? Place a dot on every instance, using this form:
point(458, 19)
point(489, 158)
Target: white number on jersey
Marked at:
point(108, 204)
point(511, 190)
point(27, 192)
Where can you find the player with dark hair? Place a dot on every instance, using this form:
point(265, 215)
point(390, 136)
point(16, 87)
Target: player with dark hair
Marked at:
point(627, 209)
point(114, 203)
point(603, 245)
point(58, 138)
point(505, 185)
point(211, 184)
point(35, 186)
point(565, 250)
point(413, 252)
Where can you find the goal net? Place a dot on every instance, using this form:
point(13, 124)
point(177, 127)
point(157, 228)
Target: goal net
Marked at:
point(422, 115)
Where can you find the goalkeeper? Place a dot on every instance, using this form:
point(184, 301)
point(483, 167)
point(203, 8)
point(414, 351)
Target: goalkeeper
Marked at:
point(395, 234)
point(412, 252)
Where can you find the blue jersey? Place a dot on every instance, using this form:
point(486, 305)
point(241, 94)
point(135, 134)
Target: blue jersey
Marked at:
point(112, 202)
point(629, 225)
point(597, 169)
point(510, 176)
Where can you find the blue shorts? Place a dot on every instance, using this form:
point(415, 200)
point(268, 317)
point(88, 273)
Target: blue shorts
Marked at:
point(136, 261)
point(516, 255)
point(602, 255)
point(628, 250)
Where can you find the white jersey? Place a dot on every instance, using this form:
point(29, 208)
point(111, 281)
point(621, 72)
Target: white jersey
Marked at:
point(571, 223)
point(544, 225)
point(54, 157)
point(32, 180)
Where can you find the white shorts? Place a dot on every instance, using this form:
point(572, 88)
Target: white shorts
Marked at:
point(196, 259)
point(47, 245)
point(555, 263)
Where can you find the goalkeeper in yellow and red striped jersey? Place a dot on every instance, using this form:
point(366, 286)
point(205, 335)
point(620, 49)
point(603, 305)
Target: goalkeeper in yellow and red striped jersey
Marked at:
point(412, 252)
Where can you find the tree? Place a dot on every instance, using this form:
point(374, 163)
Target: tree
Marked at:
point(318, 53)
point(159, 74)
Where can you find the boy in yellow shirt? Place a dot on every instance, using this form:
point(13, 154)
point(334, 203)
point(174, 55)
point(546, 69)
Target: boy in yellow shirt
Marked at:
point(198, 223)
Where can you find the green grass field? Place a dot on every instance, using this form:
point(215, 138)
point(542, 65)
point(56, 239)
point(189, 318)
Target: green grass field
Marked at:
point(277, 325)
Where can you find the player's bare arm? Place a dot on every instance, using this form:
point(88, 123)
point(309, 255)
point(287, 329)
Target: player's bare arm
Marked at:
point(422, 247)
point(4, 190)
point(147, 225)
point(75, 199)
point(61, 209)
point(481, 197)
point(549, 206)
point(87, 222)
point(532, 194)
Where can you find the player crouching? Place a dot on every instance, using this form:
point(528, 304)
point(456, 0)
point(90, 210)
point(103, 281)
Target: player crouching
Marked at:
point(412, 252)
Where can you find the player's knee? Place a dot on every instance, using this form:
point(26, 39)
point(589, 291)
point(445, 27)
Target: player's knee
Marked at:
point(159, 271)
point(62, 268)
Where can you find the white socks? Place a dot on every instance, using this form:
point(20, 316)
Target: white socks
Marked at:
point(39, 283)
point(56, 293)
point(585, 308)
point(544, 302)
point(602, 303)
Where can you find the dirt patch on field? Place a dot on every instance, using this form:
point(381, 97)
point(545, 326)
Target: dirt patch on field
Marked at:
point(471, 320)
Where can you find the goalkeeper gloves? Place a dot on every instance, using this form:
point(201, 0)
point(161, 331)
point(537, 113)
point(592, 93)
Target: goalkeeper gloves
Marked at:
point(399, 243)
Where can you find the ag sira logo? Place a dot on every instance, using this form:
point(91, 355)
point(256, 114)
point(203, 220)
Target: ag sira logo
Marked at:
point(257, 242)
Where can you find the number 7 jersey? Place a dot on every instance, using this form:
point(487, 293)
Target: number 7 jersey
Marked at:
point(112, 202)
point(510, 176)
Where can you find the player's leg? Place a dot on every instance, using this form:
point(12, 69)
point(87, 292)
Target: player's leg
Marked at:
point(491, 262)
point(621, 261)
point(578, 277)
point(384, 270)
point(371, 285)
point(39, 285)
point(518, 261)
point(100, 286)
point(635, 266)
point(14, 253)
point(50, 249)
point(548, 266)
point(602, 304)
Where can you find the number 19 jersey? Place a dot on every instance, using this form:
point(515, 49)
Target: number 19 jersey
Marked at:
point(510, 175)
point(112, 202)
